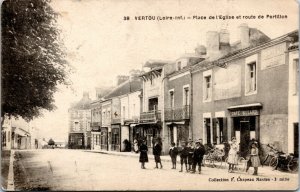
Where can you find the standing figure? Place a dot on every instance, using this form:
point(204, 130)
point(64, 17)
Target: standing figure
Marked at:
point(136, 145)
point(157, 152)
point(198, 155)
point(143, 154)
point(232, 155)
point(191, 152)
point(183, 156)
point(254, 158)
point(173, 154)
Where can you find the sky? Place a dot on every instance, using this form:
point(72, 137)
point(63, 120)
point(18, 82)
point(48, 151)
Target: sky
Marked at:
point(101, 44)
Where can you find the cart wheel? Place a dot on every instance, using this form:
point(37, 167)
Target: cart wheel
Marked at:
point(273, 162)
point(293, 166)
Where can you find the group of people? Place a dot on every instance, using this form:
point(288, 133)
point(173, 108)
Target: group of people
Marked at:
point(191, 155)
point(252, 157)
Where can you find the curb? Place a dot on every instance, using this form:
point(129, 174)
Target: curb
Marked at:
point(10, 179)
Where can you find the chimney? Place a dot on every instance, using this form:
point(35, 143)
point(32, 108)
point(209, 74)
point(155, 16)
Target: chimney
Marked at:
point(200, 50)
point(121, 79)
point(224, 41)
point(244, 35)
point(212, 43)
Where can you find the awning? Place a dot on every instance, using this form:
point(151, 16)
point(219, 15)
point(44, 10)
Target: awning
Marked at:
point(176, 123)
point(21, 132)
point(246, 106)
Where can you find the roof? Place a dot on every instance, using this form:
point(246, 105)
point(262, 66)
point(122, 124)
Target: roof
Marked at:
point(128, 86)
point(83, 104)
point(155, 63)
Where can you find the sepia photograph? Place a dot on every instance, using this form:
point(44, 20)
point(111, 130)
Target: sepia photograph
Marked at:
point(140, 95)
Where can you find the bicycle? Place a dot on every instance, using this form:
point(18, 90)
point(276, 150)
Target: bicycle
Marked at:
point(272, 153)
point(214, 155)
point(283, 161)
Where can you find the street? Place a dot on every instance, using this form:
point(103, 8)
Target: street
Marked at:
point(62, 169)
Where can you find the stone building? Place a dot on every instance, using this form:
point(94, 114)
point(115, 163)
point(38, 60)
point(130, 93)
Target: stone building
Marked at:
point(79, 123)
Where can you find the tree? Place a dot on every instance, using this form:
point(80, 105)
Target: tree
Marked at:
point(51, 142)
point(33, 58)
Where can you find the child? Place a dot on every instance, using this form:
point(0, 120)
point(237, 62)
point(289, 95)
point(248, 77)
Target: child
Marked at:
point(183, 156)
point(173, 154)
point(190, 156)
point(254, 158)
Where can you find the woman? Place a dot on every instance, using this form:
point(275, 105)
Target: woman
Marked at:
point(143, 154)
point(232, 155)
point(136, 146)
point(254, 158)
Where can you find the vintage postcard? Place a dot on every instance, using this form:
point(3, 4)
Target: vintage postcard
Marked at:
point(140, 95)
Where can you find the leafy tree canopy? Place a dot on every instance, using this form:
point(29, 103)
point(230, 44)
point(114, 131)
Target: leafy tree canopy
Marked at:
point(33, 58)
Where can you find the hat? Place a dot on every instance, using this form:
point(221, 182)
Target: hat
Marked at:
point(198, 141)
point(190, 140)
point(233, 139)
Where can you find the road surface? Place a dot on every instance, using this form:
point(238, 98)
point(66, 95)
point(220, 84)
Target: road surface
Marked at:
point(62, 169)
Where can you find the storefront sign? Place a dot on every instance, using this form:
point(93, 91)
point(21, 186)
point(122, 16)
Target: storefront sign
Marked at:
point(273, 56)
point(244, 113)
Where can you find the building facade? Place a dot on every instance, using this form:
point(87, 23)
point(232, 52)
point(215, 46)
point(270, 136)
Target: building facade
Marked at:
point(244, 94)
point(79, 124)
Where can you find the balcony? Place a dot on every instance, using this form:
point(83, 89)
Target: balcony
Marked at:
point(115, 120)
point(94, 124)
point(177, 114)
point(150, 117)
point(134, 119)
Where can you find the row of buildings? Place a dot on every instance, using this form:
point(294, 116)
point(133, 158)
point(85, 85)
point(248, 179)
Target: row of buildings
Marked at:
point(247, 89)
point(18, 134)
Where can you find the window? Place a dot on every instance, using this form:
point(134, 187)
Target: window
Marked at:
point(179, 65)
point(186, 96)
point(76, 126)
point(172, 99)
point(251, 75)
point(207, 87)
point(296, 76)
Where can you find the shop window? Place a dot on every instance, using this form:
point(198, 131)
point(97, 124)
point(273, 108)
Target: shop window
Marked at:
point(296, 76)
point(149, 137)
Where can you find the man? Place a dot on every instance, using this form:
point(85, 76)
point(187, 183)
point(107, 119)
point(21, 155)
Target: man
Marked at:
point(190, 156)
point(183, 155)
point(157, 152)
point(198, 154)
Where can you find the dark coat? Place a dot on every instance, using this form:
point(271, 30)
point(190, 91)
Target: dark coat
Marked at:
point(184, 152)
point(173, 152)
point(157, 150)
point(143, 153)
point(199, 153)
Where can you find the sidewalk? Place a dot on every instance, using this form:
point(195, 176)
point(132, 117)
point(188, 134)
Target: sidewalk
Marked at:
point(266, 170)
point(5, 159)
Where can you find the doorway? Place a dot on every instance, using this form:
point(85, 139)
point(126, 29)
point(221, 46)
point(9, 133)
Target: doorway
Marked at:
point(296, 139)
point(244, 132)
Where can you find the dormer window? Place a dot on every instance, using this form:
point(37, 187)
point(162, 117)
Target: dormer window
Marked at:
point(178, 65)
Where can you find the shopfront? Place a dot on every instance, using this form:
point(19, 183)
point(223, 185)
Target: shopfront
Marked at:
point(115, 137)
point(104, 138)
point(245, 123)
point(179, 132)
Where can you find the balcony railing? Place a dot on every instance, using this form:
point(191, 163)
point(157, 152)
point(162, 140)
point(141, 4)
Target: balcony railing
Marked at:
point(115, 120)
point(150, 116)
point(134, 119)
point(177, 114)
point(96, 124)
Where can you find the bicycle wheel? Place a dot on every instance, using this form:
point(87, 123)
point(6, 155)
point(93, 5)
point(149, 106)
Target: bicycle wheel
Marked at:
point(273, 162)
point(219, 161)
point(293, 165)
point(206, 160)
